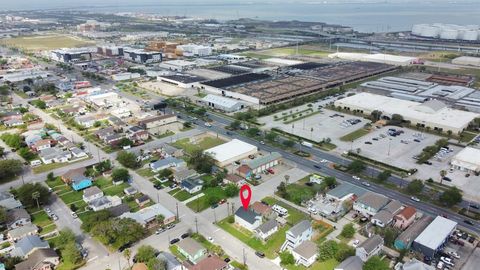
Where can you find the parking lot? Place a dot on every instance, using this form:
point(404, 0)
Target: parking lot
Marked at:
point(325, 124)
point(457, 252)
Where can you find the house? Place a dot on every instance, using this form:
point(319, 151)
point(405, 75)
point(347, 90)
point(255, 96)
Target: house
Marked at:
point(262, 209)
point(20, 232)
point(166, 163)
point(171, 261)
point(104, 132)
point(370, 204)
point(406, 238)
point(183, 173)
point(130, 191)
point(247, 219)
point(13, 123)
point(350, 263)
point(191, 249)
point(28, 245)
point(113, 139)
point(40, 259)
point(385, 216)
point(41, 145)
point(210, 263)
point(8, 201)
point(192, 185)
point(92, 193)
point(305, 254)
point(136, 133)
point(53, 154)
point(142, 200)
point(17, 217)
point(118, 210)
point(77, 179)
point(234, 179)
point(267, 229)
point(415, 264)
point(86, 121)
point(77, 152)
point(259, 164)
point(167, 150)
point(148, 215)
point(404, 218)
point(104, 202)
point(298, 234)
point(370, 247)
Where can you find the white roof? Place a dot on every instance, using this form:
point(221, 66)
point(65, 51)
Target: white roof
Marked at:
point(148, 213)
point(377, 57)
point(222, 101)
point(231, 149)
point(410, 110)
point(282, 61)
point(436, 233)
point(468, 158)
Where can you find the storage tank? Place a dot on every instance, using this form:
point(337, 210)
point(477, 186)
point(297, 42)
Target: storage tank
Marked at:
point(417, 29)
point(470, 35)
point(430, 31)
point(449, 33)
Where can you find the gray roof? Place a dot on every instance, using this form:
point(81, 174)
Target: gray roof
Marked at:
point(257, 162)
point(434, 235)
point(346, 188)
point(5, 195)
point(171, 260)
point(374, 200)
point(350, 263)
point(100, 201)
point(267, 226)
point(300, 227)
point(91, 191)
point(22, 231)
point(147, 214)
point(190, 246)
point(183, 174)
point(25, 245)
point(37, 257)
point(371, 243)
point(16, 214)
point(384, 216)
point(307, 249)
point(8, 201)
point(416, 265)
point(393, 207)
point(165, 162)
point(414, 230)
point(191, 183)
point(247, 215)
point(118, 210)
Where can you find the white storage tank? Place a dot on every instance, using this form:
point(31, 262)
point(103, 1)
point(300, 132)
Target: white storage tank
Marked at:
point(470, 35)
point(449, 34)
point(430, 31)
point(417, 29)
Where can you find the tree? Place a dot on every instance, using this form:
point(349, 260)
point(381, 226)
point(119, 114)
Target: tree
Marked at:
point(451, 196)
point(50, 177)
point(288, 143)
point(71, 254)
point(64, 237)
point(117, 232)
point(383, 176)
point(396, 120)
point(231, 190)
point(165, 173)
point(415, 187)
point(145, 253)
point(330, 181)
point(12, 140)
point(39, 104)
point(235, 125)
point(344, 251)
point(389, 236)
point(33, 194)
point(201, 162)
point(187, 125)
point(282, 189)
point(9, 168)
point(95, 218)
point(128, 159)
point(157, 264)
point(125, 142)
point(120, 174)
point(356, 166)
point(327, 250)
point(271, 136)
point(3, 214)
point(442, 175)
point(376, 114)
point(103, 166)
point(252, 132)
point(375, 263)
point(348, 231)
point(286, 258)
point(2, 151)
point(160, 219)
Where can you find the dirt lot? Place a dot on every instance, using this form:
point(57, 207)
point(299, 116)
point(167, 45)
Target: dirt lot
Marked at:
point(47, 42)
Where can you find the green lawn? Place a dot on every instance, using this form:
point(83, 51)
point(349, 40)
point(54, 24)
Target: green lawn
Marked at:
point(102, 182)
point(146, 172)
point(41, 219)
point(72, 196)
point(44, 42)
point(48, 167)
point(467, 136)
point(294, 215)
point(199, 204)
point(56, 182)
point(184, 195)
point(203, 202)
point(354, 135)
point(203, 144)
point(326, 265)
point(115, 190)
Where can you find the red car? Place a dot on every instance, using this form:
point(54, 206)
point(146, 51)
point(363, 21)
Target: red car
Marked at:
point(222, 201)
point(270, 170)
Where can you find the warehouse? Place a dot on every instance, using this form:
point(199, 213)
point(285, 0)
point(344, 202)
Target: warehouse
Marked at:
point(467, 160)
point(181, 80)
point(222, 103)
point(141, 56)
point(73, 55)
point(390, 59)
point(231, 151)
point(435, 236)
point(467, 61)
point(433, 114)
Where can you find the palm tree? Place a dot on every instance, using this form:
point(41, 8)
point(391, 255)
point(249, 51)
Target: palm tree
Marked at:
point(36, 196)
point(442, 174)
point(160, 219)
point(287, 177)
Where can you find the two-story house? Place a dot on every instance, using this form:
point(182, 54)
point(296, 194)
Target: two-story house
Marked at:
point(404, 218)
point(370, 247)
point(370, 204)
point(92, 193)
point(247, 219)
point(298, 234)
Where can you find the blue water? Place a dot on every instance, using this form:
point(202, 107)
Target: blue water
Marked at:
point(367, 17)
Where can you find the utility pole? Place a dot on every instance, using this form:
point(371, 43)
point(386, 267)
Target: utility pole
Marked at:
point(176, 205)
point(214, 215)
point(244, 257)
point(158, 197)
point(196, 224)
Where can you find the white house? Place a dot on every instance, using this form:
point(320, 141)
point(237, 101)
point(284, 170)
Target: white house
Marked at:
point(298, 234)
point(305, 254)
point(267, 229)
point(92, 193)
point(248, 219)
point(192, 185)
point(370, 247)
point(105, 202)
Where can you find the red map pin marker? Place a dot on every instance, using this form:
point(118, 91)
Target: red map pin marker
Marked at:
point(245, 199)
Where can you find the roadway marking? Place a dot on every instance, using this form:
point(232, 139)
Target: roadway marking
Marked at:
point(216, 230)
point(94, 258)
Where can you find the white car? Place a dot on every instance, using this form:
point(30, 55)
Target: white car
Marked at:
point(312, 210)
point(413, 198)
point(454, 254)
point(207, 124)
point(440, 265)
point(262, 142)
point(355, 243)
point(446, 260)
point(74, 215)
point(356, 177)
point(48, 210)
point(366, 184)
point(323, 161)
point(210, 239)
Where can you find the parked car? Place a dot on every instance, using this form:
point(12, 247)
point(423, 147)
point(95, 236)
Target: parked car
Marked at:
point(270, 170)
point(260, 254)
point(74, 215)
point(157, 186)
point(469, 222)
point(440, 265)
point(355, 243)
point(210, 239)
point(227, 260)
point(368, 142)
point(475, 206)
point(159, 231)
point(317, 166)
point(54, 217)
point(446, 260)
point(174, 240)
point(448, 179)
point(454, 254)
point(185, 235)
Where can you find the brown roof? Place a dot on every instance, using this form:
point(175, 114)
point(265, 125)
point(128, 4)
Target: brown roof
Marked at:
point(139, 266)
point(233, 178)
point(407, 212)
point(210, 263)
point(243, 169)
point(42, 142)
point(261, 208)
point(74, 172)
point(37, 257)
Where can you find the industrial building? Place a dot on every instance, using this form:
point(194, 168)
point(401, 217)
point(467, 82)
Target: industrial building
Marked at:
point(222, 103)
point(390, 59)
point(125, 76)
point(189, 50)
point(110, 50)
point(73, 54)
point(22, 75)
point(468, 159)
point(181, 80)
point(435, 236)
point(231, 151)
point(177, 65)
point(447, 31)
point(141, 56)
point(433, 114)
